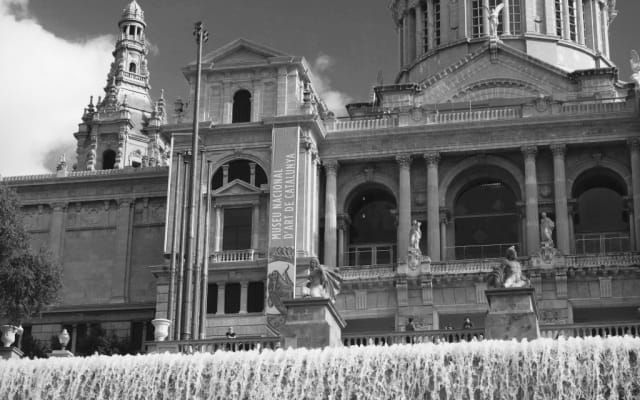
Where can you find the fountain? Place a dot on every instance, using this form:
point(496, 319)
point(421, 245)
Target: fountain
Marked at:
point(575, 368)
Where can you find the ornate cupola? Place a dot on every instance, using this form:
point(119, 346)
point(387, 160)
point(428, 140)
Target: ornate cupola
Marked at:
point(569, 34)
point(123, 129)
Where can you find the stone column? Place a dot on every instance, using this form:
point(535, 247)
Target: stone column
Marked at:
point(444, 220)
point(560, 190)
point(342, 226)
point(433, 206)
point(330, 215)
point(255, 225)
point(531, 194)
point(252, 174)
point(225, 174)
point(119, 271)
point(506, 18)
point(56, 229)
point(580, 21)
point(572, 236)
point(485, 17)
point(244, 286)
point(634, 149)
point(404, 206)
point(566, 29)
point(220, 310)
point(219, 224)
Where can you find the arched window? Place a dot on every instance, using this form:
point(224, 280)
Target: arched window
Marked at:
point(241, 106)
point(239, 169)
point(372, 232)
point(485, 220)
point(601, 222)
point(132, 67)
point(132, 30)
point(108, 159)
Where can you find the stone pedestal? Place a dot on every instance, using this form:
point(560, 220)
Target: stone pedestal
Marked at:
point(10, 353)
point(512, 314)
point(61, 353)
point(312, 323)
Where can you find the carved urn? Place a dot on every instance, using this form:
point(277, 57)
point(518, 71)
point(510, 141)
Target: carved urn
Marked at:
point(63, 338)
point(161, 329)
point(8, 334)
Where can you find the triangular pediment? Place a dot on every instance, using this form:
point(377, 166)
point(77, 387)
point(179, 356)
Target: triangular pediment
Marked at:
point(241, 52)
point(236, 187)
point(499, 73)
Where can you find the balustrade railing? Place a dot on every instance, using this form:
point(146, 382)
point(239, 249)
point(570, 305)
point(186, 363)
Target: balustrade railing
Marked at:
point(218, 344)
point(363, 124)
point(464, 266)
point(432, 336)
point(369, 273)
point(378, 254)
point(233, 256)
point(602, 243)
point(602, 329)
point(475, 251)
point(619, 260)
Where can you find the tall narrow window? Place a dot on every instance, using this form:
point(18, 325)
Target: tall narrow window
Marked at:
point(108, 159)
point(436, 22)
point(572, 20)
point(558, 9)
point(236, 234)
point(212, 298)
point(132, 67)
point(425, 29)
point(241, 106)
point(515, 17)
point(255, 297)
point(232, 298)
point(476, 18)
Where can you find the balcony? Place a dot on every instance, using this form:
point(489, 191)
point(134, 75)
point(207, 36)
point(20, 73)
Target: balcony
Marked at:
point(215, 344)
point(374, 254)
point(479, 251)
point(602, 243)
point(233, 256)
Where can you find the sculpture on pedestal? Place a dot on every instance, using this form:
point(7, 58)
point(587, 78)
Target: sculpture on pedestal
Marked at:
point(415, 255)
point(323, 281)
point(494, 16)
point(509, 273)
point(635, 68)
point(546, 230)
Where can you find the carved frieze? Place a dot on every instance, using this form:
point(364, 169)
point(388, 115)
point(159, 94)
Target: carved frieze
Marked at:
point(90, 215)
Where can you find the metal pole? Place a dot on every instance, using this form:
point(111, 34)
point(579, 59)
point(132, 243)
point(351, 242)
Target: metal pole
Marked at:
point(205, 269)
point(195, 321)
point(183, 224)
point(201, 35)
point(175, 242)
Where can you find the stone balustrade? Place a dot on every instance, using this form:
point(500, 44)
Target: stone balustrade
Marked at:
point(83, 173)
point(419, 336)
point(591, 329)
point(233, 256)
point(367, 273)
point(596, 261)
point(542, 109)
point(464, 266)
point(215, 344)
point(132, 76)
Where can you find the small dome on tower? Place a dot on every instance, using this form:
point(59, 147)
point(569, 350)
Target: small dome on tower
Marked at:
point(133, 12)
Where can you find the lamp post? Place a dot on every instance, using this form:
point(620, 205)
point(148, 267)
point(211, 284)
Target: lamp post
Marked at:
point(187, 301)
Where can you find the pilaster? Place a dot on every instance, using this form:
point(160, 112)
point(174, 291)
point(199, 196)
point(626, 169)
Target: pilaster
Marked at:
point(120, 267)
point(634, 150)
point(531, 193)
point(404, 206)
point(330, 217)
point(56, 229)
point(560, 191)
point(433, 210)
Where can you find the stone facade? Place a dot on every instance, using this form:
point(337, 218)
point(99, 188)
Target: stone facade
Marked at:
point(475, 140)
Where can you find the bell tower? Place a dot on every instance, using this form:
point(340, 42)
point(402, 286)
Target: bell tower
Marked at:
point(123, 129)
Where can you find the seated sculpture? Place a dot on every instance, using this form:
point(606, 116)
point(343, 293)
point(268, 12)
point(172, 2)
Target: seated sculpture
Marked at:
point(323, 281)
point(509, 273)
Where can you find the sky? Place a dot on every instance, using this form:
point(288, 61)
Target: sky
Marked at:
point(56, 53)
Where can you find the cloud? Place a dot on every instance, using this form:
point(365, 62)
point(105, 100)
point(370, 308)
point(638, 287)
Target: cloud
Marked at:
point(47, 83)
point(334, 99)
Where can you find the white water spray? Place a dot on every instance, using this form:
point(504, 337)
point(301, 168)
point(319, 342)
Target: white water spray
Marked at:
point(591, 368)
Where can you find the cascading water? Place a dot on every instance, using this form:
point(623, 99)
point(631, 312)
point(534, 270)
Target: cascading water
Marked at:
point(591, 368)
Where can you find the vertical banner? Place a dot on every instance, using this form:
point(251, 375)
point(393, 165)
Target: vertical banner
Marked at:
point(281, 272)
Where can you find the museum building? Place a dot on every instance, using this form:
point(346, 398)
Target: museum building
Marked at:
point(507, 125)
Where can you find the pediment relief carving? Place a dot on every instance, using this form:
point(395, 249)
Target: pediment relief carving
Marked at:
point(241, 51)
point(237, 187)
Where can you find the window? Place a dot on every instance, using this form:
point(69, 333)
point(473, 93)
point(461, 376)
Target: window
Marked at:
point(212, 298)
point(241, 106)
point(236, 233)
point(436, 22)
point(132, 67)
point(255, 297)
point(425, 31)
point(477, 16)
point(572, 19)
point(515, 17)
point(559, 25)
point(132, 30)
point(232, 298)
point(239, 169)
point(108, 159)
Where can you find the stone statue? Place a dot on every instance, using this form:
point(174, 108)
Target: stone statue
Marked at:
point(415, 235)
point(323, 281)
point(494, 15)
point(635, 68)
point(546, 230)
point(509, 273)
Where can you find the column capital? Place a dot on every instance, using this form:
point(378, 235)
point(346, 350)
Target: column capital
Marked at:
point(59, 206)
point(331, 166)
point(404, 160)
point(558, 150)
point(634, 144)
point(126, 202)
point(432, 158)
point(529, 151)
